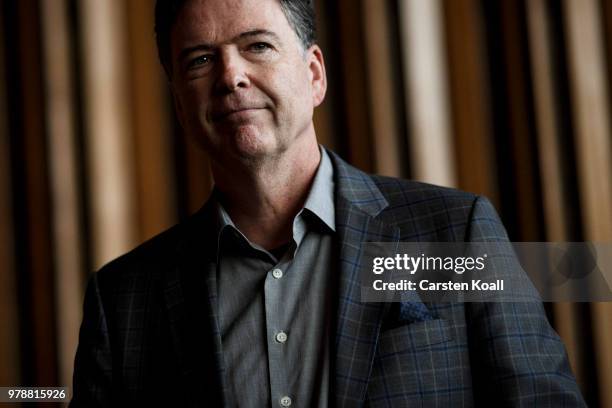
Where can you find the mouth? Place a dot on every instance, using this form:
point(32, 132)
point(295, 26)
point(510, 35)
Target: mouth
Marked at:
point(234, 113)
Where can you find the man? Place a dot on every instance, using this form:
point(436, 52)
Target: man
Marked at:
point(255, 300)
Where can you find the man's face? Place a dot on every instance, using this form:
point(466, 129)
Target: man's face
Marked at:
point(242, 83)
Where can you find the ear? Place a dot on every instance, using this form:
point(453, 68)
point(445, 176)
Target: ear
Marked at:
point(318, 77)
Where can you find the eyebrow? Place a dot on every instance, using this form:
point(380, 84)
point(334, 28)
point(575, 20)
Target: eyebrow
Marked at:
point(209, 46)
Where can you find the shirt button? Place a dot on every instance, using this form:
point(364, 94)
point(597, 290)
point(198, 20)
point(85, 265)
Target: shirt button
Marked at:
point(277, 273)
point(281, 337)
point(285, 401)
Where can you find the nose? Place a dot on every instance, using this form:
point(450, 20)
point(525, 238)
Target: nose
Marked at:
point(233, 72)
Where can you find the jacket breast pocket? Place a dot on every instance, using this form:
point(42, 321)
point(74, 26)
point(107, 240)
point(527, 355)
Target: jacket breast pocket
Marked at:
point(420, 364)
point(414, 336)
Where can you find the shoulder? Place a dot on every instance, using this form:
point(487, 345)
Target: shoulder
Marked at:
point(402, 193)
point(394, 193)
point(422, 211)
point(437, 213)
point(149, 260)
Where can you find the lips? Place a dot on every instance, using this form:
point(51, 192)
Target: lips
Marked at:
point(225, 113)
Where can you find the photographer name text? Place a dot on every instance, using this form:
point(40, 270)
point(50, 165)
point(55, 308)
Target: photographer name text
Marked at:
point(426, 285)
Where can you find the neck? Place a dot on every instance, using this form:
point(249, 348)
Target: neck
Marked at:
point(264, 198)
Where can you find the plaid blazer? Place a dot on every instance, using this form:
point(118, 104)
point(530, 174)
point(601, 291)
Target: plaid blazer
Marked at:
point(150, 333)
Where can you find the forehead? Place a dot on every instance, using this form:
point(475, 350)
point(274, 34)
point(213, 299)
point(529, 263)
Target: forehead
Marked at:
point(216, 21)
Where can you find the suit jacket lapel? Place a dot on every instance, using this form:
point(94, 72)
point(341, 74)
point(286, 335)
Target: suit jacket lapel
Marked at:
point(358, 202)
point(357, 323)
point(190, 295)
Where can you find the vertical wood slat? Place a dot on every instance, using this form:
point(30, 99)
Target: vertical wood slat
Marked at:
point(547, 119)
point(427, 91)
point(470, 98)
point(555, 205)
point(150, 120)
point(324, 118)
point(354, 77)
point(108, 138)
point(591, 102)
point(519, 117)
point(67, 231)
point(37, 274)
point(9, 326)
point(589, 92)
point(380, 82)
point(606, 6)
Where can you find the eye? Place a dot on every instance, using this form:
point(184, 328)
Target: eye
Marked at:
point(260, 47)
point(199, 61)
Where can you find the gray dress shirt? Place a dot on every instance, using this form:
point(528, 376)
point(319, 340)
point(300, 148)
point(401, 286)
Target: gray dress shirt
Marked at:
point(275, 306)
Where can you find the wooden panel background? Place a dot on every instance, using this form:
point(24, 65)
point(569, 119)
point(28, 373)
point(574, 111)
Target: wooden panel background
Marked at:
point(506, 98)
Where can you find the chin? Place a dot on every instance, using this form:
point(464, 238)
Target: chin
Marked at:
point(248, 142)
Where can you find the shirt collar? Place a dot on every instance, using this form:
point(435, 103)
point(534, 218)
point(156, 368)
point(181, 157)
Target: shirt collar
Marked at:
point(319, 202)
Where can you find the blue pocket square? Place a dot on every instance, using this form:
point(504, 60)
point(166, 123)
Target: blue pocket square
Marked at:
point(405, 313)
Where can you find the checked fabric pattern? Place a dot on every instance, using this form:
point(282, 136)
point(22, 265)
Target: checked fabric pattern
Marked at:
point(437, 355)
point(150, 334)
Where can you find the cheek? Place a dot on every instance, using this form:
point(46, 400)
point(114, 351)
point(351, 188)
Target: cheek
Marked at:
point(195, 102)
point(302, 97)
point(301, 83)
point(191, 116)
point(294, 89)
